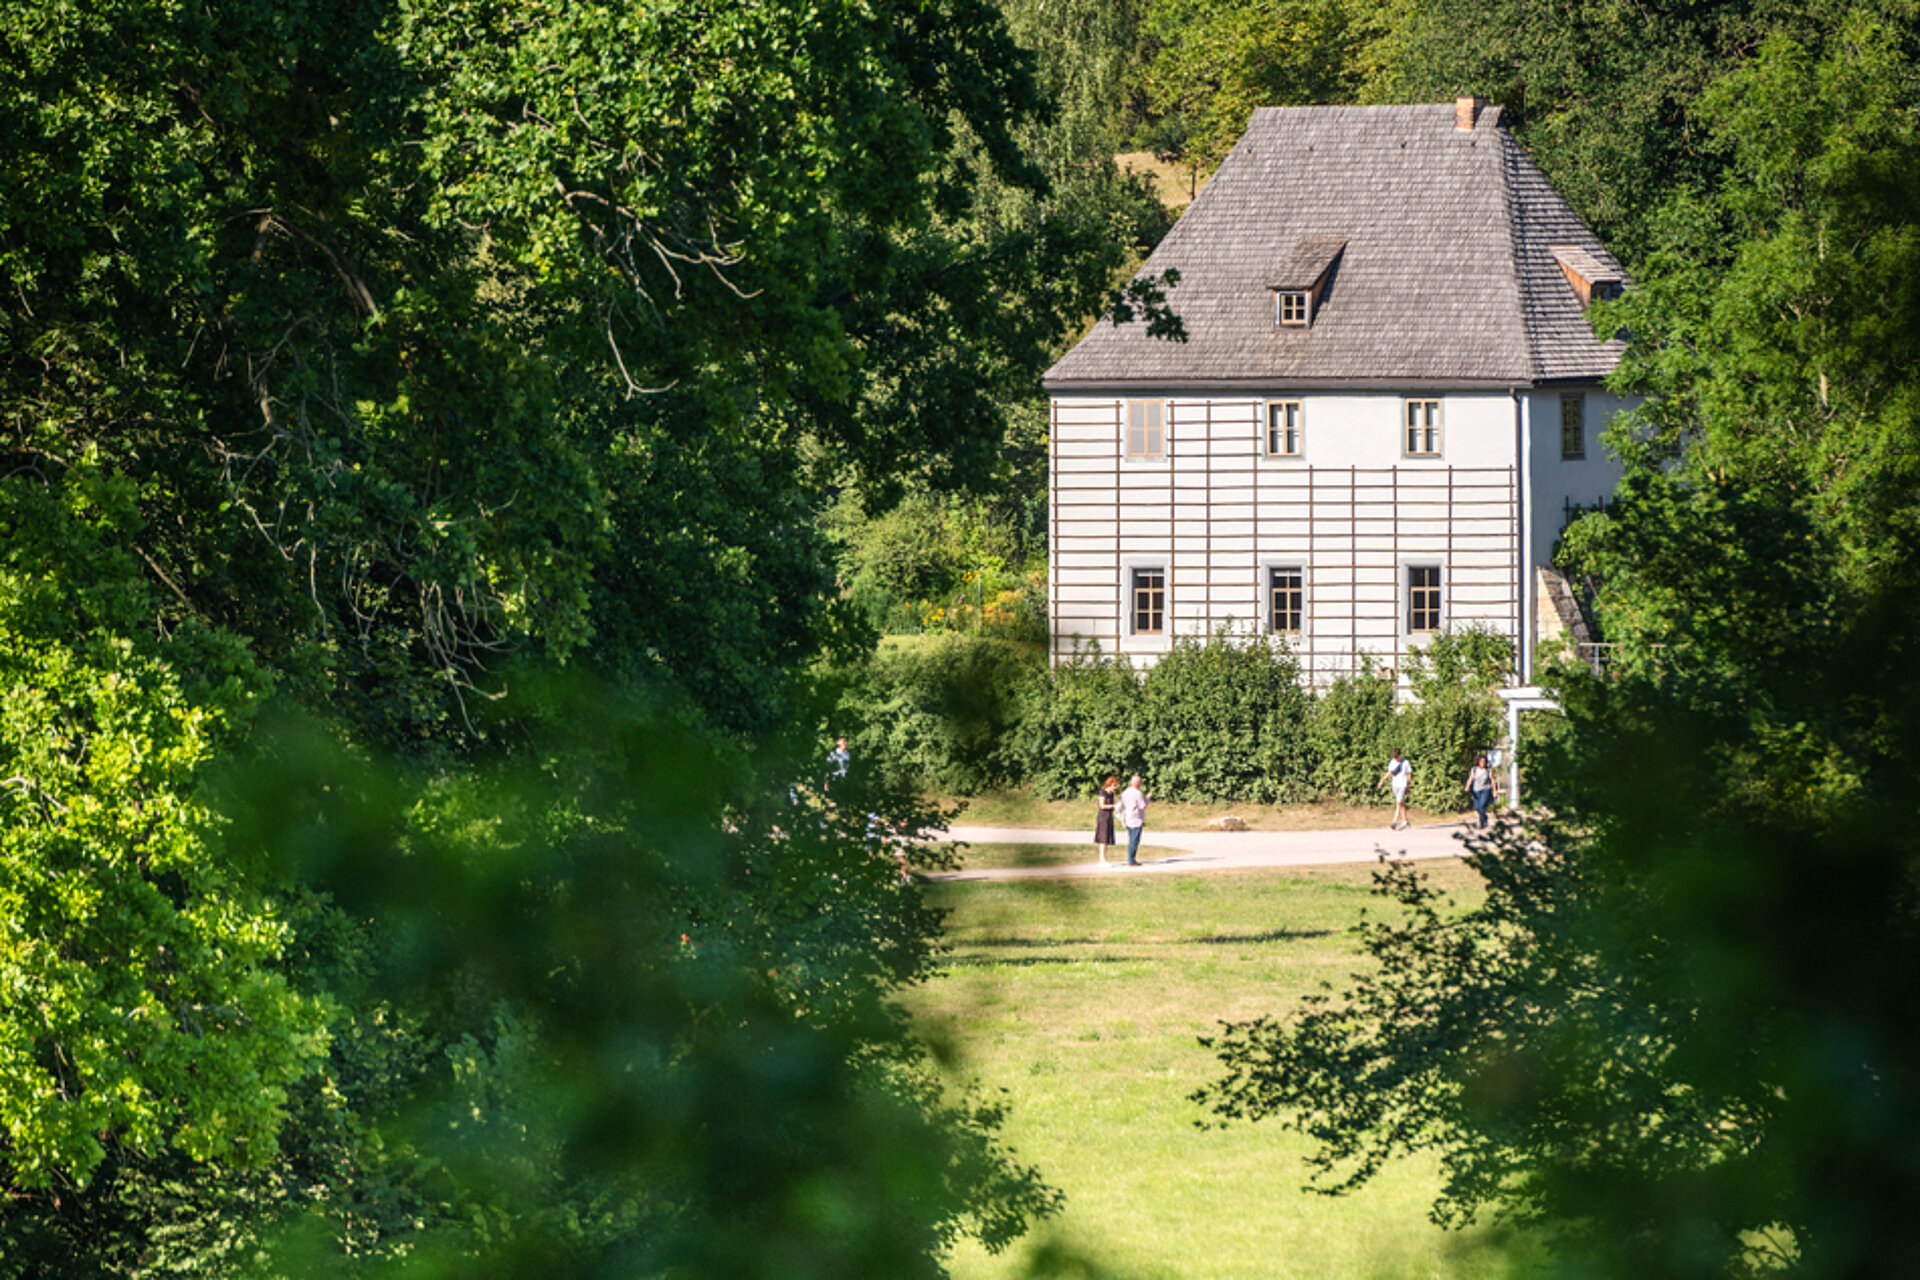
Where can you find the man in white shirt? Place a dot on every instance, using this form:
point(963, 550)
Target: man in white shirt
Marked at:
point(1399, 776)
point(1133, 815)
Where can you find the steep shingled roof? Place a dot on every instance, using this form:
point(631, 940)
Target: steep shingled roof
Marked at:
point(1447, 276)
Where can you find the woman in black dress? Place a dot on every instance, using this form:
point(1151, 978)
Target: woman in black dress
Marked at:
point(1103, 821)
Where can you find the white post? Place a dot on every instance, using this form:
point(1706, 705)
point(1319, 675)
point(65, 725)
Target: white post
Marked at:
point(1525, 697)
point(1513, 754)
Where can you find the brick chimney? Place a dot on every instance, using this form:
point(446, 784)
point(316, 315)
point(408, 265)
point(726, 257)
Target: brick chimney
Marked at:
point(1466, 112)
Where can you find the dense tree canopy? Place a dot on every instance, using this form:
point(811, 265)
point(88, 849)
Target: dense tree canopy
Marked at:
point(1675, 1033)
point(417, 421)
point(1209, 63)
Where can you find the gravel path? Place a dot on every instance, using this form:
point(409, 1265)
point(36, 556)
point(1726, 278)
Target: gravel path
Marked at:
point(1216, 850)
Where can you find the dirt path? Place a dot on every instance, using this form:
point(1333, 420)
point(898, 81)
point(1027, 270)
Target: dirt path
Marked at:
point(1217, 850)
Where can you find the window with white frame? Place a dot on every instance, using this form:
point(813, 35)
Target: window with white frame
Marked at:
point(1148, 597)
point(1286, 599)
point(1423, 429)
point(1146, 429)
point(1423, 598)
point(1294, 306)
point(1286, 428)
point(1573, 426)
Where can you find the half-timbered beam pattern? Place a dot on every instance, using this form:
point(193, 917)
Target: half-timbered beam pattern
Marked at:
point(1216, 515)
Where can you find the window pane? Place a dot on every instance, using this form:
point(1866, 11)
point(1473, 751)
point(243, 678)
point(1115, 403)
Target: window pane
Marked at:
point(1423, 426)
point(1149, 601)
point(1283, 428)
point(1144, 436)
point(1423, 598)
point(1573, 426)
point(1286, 596)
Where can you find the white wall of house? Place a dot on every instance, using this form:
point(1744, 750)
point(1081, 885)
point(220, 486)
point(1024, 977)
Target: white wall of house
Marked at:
point(1561, 485)
point(1353, 512)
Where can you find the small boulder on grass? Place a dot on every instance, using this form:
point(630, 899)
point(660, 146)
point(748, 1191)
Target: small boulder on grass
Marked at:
point(1226, 822)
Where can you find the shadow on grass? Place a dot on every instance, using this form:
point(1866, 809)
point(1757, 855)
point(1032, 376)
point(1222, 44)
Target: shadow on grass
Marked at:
point(1269, 935)
point(1031, 962)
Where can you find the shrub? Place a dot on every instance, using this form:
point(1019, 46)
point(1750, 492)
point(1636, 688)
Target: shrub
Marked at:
point(945, 716)
point(1226, 720)
point(1084, 723)
point(1475, 659)
point(1348, 734)
point(1441, 737)
point(1459, 716)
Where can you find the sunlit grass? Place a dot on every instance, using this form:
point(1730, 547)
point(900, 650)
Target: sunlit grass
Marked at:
point(1084, 1000)
point(999, 857)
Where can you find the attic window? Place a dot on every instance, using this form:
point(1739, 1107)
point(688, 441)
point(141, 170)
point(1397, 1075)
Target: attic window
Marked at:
point(1592, 279)
point(1303, 276)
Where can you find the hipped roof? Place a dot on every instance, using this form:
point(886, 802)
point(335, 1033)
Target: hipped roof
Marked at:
point(1448, 274)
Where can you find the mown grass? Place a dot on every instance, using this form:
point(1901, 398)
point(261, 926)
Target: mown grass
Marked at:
point(1000, 857)
point(1083, 1000)
point(1022, 808)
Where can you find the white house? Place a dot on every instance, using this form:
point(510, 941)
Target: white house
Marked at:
point(1386, 407)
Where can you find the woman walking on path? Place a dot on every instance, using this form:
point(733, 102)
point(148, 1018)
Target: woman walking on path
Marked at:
point(1133, 813)
point(1103, 821)
point(1398, 775)
point(1480, 788)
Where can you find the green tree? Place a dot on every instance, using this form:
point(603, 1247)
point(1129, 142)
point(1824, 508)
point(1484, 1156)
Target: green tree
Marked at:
point(1669, 1034)
point(1209, 63)
point(1606, 97)
point(148, 1014)
point(423, 350)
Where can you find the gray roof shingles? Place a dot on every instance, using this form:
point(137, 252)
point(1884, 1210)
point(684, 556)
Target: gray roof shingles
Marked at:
point(1447, 274)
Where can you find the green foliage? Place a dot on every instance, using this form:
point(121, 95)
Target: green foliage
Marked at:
point(1074, 238)
point(1226, 718)
point(1209, 63)
point(145, 1016)
point(945, 716)
point(1476, 660)
point(1458, 717)
point(628, 1010)
point(1349, 733)
point(434, 334)
point(953, 566)
point(1669, 1034)
point(1778, 358)
point(1215, 719)
point(1609, 99)
point(1086, 726)
point(393, 357)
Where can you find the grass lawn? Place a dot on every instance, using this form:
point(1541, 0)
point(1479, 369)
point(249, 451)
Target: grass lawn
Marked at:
point(1082, 1000)
point(1024, 809)
point(1000, 857)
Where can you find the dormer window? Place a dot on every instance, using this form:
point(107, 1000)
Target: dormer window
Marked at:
point(1592, 279)
point(1304, 276)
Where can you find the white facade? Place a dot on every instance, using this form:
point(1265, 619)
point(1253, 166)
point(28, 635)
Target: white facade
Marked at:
point(1385, 546)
